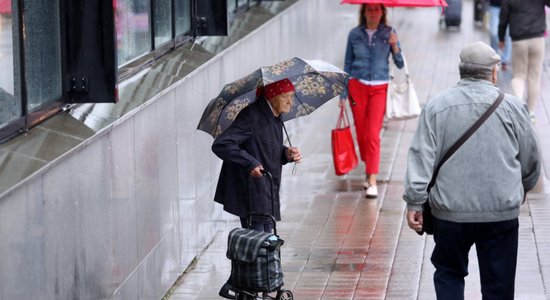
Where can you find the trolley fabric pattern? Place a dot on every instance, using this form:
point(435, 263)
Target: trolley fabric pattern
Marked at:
point(255, 260)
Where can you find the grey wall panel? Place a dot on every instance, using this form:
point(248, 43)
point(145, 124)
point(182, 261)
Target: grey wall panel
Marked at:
point(149, 276)
point(123, 214)
point(188, 219)
point(186, 106)
point(22, 254)
point(61, 232)
point(167, 162)
point(201, 154)
point(170, 265)
point(129, 290)
point(93, 274)
point(146, 135)
point(122, 188)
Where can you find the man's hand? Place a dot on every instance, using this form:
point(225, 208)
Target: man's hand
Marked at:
point(257, 171)
point(415, 220)
point(501, 45)
point(293, 154)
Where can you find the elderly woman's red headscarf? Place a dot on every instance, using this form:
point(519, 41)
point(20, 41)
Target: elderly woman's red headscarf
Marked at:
point(276, 88)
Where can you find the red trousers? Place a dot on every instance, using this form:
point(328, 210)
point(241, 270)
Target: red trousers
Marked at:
point(368, 116)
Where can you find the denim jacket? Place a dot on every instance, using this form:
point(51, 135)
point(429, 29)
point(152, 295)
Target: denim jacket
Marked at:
point(370, 62)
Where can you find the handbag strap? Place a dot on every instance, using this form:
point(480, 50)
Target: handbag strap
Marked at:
point(465, 137)
point(343, 119)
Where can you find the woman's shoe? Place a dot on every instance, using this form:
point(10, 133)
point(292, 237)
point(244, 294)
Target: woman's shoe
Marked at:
point(371, 192)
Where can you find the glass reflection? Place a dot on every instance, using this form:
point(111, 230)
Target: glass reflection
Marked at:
point(231, 5)
point(132, 29)
point(42, 52)
point(9, 108)
point(183, 16)
point(163, 22)
point(242, 3)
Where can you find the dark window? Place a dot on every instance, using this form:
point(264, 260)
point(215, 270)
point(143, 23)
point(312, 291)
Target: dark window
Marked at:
point(210, 18)
point(90, 51)
point(183, 16)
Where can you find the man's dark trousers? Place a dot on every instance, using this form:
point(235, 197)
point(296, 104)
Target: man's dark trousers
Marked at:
point(496, 247)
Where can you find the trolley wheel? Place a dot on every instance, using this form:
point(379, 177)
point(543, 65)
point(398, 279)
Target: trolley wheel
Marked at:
point(284, 295)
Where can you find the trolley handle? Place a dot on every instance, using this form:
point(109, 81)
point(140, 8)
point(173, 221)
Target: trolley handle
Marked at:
point(268, 174)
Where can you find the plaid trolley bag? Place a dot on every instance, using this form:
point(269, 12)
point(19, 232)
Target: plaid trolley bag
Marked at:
point(255, 263)
point(255, 260)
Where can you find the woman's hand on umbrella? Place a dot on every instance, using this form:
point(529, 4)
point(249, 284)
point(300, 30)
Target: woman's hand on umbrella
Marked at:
point(293, 154)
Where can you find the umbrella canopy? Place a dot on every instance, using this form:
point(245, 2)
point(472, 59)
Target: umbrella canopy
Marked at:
point(399, 3)
point(315, 82)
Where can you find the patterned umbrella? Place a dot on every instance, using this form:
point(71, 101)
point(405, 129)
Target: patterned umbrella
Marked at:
point(315, 81)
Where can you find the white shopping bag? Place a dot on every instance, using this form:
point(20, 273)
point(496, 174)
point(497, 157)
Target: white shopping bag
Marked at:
point(402, 101)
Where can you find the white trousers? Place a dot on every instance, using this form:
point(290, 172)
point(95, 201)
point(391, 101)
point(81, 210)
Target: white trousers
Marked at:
point(527, 59)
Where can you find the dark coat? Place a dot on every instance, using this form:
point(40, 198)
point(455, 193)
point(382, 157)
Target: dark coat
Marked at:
point(254, 138)
point(525, 18)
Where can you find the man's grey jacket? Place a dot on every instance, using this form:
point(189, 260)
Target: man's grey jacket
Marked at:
point(485, 180)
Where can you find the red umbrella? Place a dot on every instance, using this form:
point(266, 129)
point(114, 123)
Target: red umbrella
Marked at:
point(395, 3)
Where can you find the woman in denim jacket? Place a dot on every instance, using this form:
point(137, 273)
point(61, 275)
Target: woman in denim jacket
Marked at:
point(368, 48)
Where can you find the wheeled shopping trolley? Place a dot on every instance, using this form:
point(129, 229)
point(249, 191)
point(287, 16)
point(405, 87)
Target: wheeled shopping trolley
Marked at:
point(255, 264)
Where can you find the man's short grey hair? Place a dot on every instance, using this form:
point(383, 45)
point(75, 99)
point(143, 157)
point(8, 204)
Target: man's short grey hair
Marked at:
point(475, 71)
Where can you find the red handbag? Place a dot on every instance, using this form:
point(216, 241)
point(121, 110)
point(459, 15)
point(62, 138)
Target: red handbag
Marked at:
point(343, 148)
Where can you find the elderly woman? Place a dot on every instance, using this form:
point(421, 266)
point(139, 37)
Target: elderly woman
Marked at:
point(368, 48)
point(254, 143)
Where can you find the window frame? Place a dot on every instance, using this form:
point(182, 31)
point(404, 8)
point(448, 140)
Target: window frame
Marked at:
point(29, 119)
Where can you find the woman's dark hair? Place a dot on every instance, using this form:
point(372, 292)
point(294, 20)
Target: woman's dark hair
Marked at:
point(363, 19)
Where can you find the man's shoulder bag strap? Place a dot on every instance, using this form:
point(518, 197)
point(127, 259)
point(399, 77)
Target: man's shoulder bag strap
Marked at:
point(465, 137)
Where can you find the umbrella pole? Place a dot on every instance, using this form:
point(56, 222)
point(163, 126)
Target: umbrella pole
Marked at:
point(294, 168)
point(286, 133)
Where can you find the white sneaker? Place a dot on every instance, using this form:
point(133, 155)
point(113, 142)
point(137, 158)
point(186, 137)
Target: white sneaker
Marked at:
point(372, 191)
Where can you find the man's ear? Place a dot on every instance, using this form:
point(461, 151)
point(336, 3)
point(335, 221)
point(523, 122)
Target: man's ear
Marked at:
point(495, 74)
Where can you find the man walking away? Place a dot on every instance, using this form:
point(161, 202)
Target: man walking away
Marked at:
point(527, 25)
point(479, 190)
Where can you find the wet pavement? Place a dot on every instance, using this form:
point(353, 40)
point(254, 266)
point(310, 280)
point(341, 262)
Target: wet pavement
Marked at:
point(340, 245)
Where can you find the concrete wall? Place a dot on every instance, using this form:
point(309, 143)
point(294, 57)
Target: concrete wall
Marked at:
point(124, 213)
